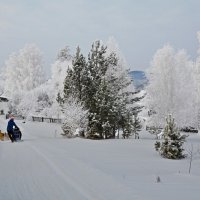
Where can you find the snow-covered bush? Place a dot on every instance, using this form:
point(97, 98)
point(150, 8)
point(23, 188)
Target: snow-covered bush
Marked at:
point(75, 117)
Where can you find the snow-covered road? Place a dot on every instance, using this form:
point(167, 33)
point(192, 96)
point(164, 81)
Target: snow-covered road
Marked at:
point(43, 167)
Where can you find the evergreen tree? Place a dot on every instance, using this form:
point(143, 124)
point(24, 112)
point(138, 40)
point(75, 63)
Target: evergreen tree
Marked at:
point(64, 54)
point(100, 97)
point(74, 81)
point(59, 99)
point(72, 103)
point(171, 147)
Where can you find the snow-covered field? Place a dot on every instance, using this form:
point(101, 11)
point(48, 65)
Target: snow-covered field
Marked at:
point(46, 166)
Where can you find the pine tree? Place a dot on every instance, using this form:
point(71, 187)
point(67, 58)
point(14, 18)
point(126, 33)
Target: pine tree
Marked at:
point(171, 147)
point(64, 54)
point(74, 80)
point(79, 68)
point(59, 99)
point(73, 101)
point(68, 84)
point(98, 99)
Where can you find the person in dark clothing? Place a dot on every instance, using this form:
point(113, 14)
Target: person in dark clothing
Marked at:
point(10, 129)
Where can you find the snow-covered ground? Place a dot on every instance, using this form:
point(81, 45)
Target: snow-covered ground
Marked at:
point(46, 166)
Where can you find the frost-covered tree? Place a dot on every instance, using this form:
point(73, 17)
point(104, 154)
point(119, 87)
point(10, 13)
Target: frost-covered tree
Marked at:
point(196, 77)
point(24, 70)
point(14, 102)
point(42, 101)
point(172, 146)
point(170, 88)
point(49, 95)
point(184, 98)
point(12, 83)
point(36, 102)
point(26, 105)
point(58, 71)
point(113, 47)
point(160, 91)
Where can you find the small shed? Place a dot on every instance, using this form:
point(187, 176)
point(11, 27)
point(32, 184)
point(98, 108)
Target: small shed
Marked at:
point(3, 105)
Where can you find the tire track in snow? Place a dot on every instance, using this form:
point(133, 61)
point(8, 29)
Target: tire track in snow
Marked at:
point(67, 179)
point(73, 175)
point(26, 175)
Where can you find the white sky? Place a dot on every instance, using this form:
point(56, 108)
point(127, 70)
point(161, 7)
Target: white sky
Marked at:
point(139, 26)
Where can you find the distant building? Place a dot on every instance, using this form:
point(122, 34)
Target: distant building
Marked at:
point(3, 99)
point(3, 105)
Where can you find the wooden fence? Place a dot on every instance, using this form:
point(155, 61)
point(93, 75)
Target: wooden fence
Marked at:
point(46, 119)
point(37, 119)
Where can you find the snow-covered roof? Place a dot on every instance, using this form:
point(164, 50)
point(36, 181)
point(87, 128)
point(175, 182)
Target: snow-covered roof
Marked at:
point(3, 98)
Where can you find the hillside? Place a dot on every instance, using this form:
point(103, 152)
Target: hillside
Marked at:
point(139, 79)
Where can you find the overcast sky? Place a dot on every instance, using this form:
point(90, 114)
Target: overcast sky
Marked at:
point(139, 26)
